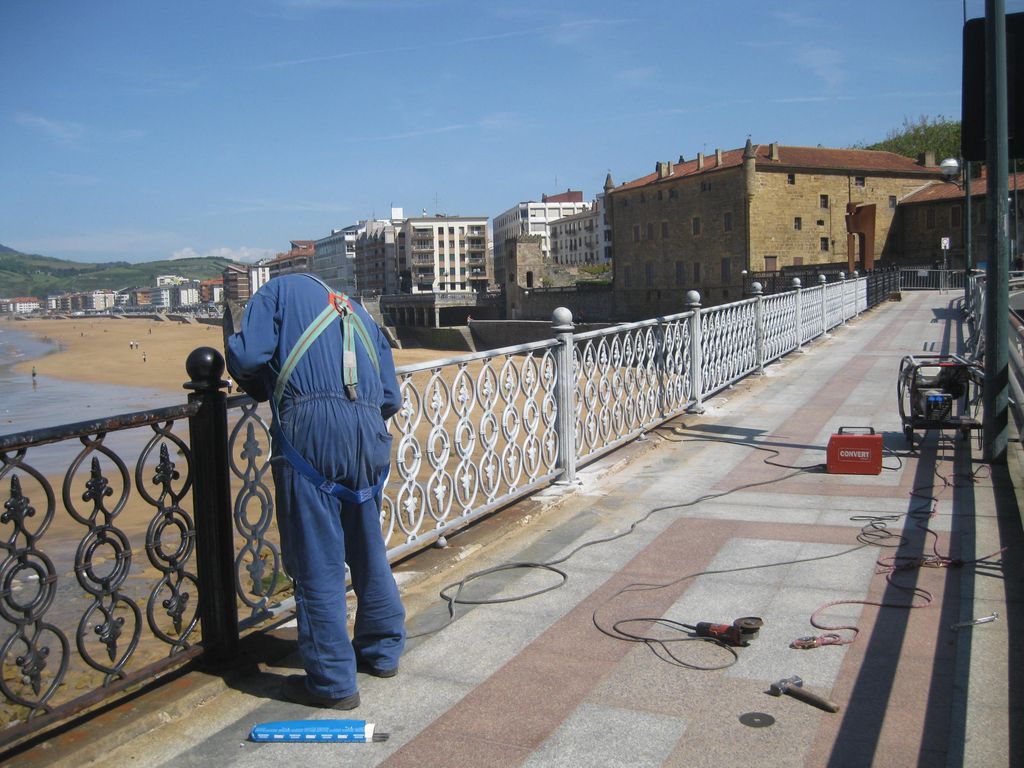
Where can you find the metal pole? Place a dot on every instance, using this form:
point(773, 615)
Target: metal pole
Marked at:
point(968, 236)
point(758, 291)
point(565, 388)
point(995, 397)
point(211, 499)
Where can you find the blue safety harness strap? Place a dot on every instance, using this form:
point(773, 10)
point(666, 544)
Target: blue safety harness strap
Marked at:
point(338, 306)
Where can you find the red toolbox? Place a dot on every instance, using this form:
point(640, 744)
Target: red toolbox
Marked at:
point(857, 453)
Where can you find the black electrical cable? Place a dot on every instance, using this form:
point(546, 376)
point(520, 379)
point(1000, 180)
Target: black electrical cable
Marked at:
point(451, 600)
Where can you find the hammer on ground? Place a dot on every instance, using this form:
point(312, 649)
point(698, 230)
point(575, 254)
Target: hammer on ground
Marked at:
point(794, 687)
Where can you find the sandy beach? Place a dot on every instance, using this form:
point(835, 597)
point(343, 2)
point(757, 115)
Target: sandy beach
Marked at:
point(99, 350)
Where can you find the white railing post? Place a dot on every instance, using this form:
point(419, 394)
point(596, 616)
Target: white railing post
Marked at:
point(696, 360)
point(842, 296)
point(822, 281)
point(856, 292)
point(799, 317)
point(758, 290)
point(565, 389)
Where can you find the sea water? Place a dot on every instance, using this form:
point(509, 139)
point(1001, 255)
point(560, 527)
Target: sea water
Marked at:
point(31, 402)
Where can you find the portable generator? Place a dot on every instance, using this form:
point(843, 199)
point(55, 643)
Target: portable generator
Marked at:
point(928, 388)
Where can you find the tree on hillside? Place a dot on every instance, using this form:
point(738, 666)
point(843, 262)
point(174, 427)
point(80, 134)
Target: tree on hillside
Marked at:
point(939, 135)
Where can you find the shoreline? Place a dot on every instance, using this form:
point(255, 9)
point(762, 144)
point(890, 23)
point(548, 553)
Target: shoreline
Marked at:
point(98, 350)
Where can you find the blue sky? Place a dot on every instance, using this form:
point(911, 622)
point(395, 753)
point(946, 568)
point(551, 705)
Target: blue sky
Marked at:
point(144, 130)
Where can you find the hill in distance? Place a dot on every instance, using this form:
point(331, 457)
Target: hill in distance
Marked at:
point(23, 274)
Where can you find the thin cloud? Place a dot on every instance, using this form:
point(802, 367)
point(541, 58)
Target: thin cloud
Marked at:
point(243, 253)
point(826, 64)
point(122, 241)
point(63, 131)
point(236, 207)
point(69, 133)
point(636, 76)
point(562, 33)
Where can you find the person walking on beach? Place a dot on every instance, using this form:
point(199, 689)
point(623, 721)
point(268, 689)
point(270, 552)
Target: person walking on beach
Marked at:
point(328, 371)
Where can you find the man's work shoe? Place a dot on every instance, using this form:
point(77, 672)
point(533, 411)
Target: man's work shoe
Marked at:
point(369, 669)
point(295, 690)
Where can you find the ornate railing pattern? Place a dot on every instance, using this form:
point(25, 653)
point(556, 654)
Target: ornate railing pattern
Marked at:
point(475, 433)
point(812, 307)
point(780, 324)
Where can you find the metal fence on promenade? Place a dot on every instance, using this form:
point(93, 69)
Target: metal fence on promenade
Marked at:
point(135, 543)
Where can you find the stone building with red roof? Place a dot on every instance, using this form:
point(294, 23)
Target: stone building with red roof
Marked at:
point(939, 211)
point(699, 224)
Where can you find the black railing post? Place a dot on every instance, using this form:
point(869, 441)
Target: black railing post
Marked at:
point(211, 499)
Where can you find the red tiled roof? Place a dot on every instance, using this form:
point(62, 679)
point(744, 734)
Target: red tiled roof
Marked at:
point(941, 190)
point(817, 158)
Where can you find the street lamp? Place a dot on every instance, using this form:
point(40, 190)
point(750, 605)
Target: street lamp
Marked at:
point(951, 169)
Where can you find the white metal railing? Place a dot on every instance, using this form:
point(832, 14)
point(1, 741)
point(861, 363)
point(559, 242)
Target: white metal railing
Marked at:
point(478, 431)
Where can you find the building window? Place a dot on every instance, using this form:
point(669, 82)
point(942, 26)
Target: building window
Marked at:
point(727, 221)
point(680, 273)
point(821, 222)
point(892, 202)
point(650, 230)
point(705, 186)
point(824, 243)
point(929, 218)
point(798, 223)
point(791, 178)
point(673, 194)
point(627, 276)
point(695, 224)
point(955, 217)
point(660, 195)
point(636, 233)
point(823, 201)
point(625, 202)
point(798, 261)
point(696, 272)
point(649, 274)
point(643, 198)
point(858, 181)
point(771, 263)
point(726, 270)
point(664, 230)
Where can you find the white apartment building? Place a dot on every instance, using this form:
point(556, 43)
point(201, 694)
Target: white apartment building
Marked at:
point(445, 254)
point(259, 275)
point(334, 258)
point(533, 218)
point(582, 238)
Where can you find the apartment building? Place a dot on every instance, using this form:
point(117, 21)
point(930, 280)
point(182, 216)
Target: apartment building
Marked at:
point(298, 258)
point(532, 218)
point(582, 238)
point(334, 258)
point(444, 254)
point(379, 248)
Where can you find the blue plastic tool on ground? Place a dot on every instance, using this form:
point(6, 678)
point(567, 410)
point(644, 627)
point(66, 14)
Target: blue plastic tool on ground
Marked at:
point(351, 731)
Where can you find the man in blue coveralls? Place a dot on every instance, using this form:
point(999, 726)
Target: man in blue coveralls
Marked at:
point(331, 401)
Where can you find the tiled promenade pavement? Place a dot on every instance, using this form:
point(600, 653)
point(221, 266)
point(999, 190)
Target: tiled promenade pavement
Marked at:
point(534, 683)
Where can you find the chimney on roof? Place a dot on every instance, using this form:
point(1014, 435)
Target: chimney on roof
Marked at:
point(664, 170)
point(682, 159)
point(773, 151)
point(927, 159)
point(718, 158)
point(700, 161)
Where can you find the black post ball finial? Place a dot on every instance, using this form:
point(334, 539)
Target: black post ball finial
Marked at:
point(206, 366)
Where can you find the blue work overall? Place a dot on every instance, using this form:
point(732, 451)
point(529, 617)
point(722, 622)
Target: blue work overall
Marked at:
point(347, 442)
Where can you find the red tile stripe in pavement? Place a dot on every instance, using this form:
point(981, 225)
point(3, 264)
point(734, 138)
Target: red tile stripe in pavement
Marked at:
point(507, 717)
